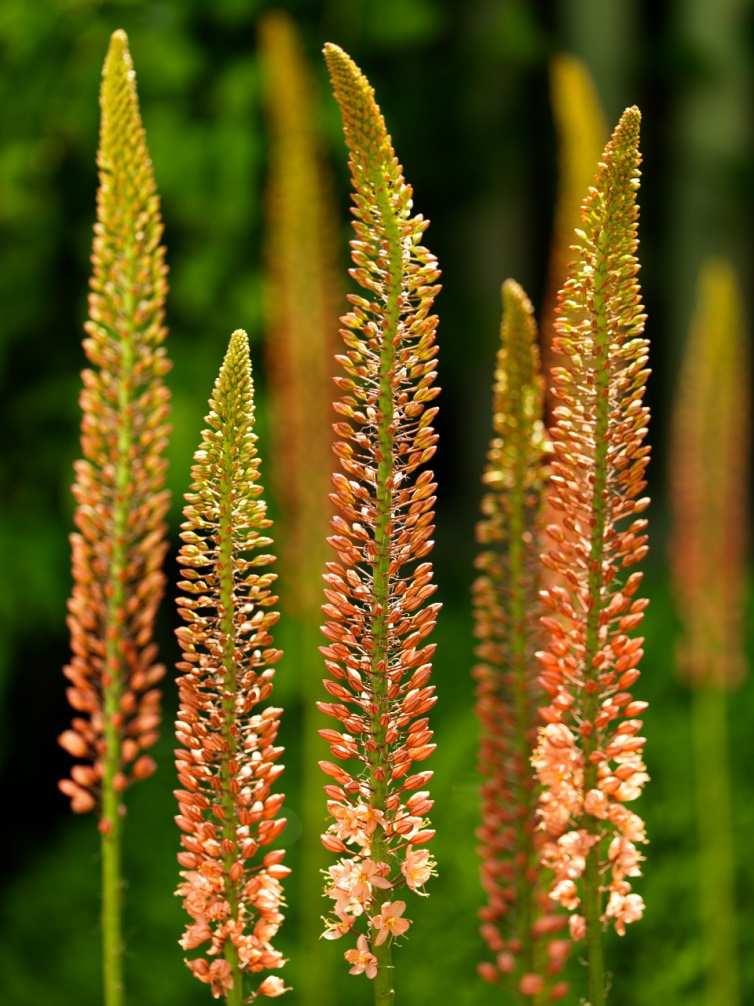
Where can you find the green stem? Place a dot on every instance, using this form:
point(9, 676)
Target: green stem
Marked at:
point(716, 858)
point(595, 594)
point(112, 691)
point(227, 629)
point(315, 986)
point(384, 992)
point(112, 939)
point(525, 892)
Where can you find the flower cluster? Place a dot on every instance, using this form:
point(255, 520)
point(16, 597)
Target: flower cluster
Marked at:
point(377, 587)
point(119, 544)
point(589, 754)
point(227, 759)
point(519, 923)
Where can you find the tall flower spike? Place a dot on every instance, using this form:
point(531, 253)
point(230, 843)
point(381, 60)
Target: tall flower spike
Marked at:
point(121, 503)
point(377, 588)
point(589, 754)
point(227, 761)
point(519, 922)
point(301, 338)
point(581, 133)
point(709, 483)
point(302, 307)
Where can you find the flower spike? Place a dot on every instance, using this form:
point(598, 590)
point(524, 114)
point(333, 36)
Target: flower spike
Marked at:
point(519, 921)
point(710, 485)
point(227, 759)
point(589, 754)
point(119, 544)
point(377, 587)
point(302, 309)
point(302, 301)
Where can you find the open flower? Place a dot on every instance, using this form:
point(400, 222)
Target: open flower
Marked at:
point(390, 921)
point(361, 959)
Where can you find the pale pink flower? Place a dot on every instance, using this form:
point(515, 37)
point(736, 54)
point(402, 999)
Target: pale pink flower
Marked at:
point(272, 987)
point(624, 909)
point(577, 927)
point(417, 867)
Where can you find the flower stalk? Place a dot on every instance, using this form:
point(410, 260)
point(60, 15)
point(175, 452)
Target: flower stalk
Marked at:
point(227, 759)
point(709, 480)
point(119, 544)
point(377, 587)
point(589, 752)
point(301, 339)
point(519, 921)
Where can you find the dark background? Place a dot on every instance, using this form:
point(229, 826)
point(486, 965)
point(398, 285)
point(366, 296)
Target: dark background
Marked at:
point(464, 87)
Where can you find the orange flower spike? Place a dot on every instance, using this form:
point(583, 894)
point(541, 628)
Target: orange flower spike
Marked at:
point(119, 543)
point(302, 299)
point(709, 483)
point(589, 753)
point(377, 587)
point(581, 133)
point(519, 922)
point(227, 759)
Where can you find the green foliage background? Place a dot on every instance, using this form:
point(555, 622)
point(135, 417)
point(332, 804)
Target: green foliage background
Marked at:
point(464, 88)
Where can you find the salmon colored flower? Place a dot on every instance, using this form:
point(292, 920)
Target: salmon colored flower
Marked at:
point(362, 961)
point(390, 921)
point(272, 987)
point(417, 867)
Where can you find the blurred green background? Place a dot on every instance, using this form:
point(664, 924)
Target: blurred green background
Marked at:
point(464, 87)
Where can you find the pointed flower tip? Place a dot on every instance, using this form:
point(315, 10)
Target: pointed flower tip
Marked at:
point(332, 51)
point(513, 294)
point(629, 124)
point(118, 44)
point(339, 62)
point(238, 340)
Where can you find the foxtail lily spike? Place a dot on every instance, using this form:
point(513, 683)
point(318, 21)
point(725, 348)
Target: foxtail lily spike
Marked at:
point(119, 544)
point(589, 754)
point(709, 480)
point(581, 133)
point(227, 759)
point(301, 340)
point(519, 922)
point(378, 586)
